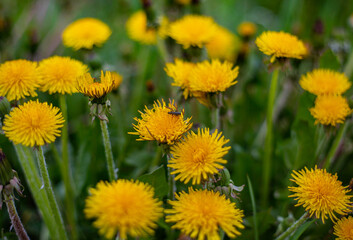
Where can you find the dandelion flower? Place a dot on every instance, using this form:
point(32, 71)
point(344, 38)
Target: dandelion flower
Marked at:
point(343, 229)
point(183, 2)
point(95, 90)
point(59, 74)
point(213, 76)
point(138, 29)
point(201, 213)
point(223, 45)
point(162, 123)
point(324, 81)
point(247, 29)
point(123, 206)
point(280, 44)
point(180, 72)
point(330, 109)
point(198, 156)
point(18, 79)
point(85, 33)
point(33, 124)
point(320, 193)
point(193, 30)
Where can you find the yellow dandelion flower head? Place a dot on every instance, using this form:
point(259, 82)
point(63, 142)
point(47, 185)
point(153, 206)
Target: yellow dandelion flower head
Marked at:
point(247, 29)
point(223, 45)
point(93, 89)
point(281, 44)
point(343, 229)
point(330, 109)
point(193, 30)
point(59, 74)
point(325, 81)
point(180, 72)
point(18, 79)
point(198, 156)
point(183, 2)
point(123, 206)
point(86, 33)
point(200, 213)
point(213, 76)
point(33, 124)
point(139, 31)
point(163, 123)
point(320, 193)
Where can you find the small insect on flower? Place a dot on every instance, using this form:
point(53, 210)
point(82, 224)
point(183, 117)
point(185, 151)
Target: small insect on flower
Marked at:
point(174, 110)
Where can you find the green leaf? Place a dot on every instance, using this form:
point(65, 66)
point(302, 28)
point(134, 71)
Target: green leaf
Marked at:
point(329, 60)
point(157, 180)
point(301, 229)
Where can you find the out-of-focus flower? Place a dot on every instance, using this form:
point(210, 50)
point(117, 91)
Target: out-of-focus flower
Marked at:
point(18, 79)
point(325, 81)
point(193, 30)
point(224, 45)
point(123, 207)
point(139, 31)
point(59, 74)
point(86, 33)
point(330, 109)
point(180, 72)
point(247, 29)
point(281, 45)
point(213, 77)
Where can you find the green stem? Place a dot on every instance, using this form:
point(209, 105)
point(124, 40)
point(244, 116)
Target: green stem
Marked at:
point(15, 219)
point(335, 145)
point(348, 69)
point(171, 181)
point(49, 191)
point(293, 227)
point(108, 151)
point(217, 112)
point(269, 138)
point(66, 172)
point(34, 184)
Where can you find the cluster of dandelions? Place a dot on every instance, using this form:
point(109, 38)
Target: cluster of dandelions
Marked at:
point(197, 157)
point(189, 31)
point(331, 108)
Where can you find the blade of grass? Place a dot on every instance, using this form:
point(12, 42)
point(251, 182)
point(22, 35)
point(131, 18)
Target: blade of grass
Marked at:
point(253, 205)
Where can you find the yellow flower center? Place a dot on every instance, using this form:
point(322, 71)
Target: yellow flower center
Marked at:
point(199, 156)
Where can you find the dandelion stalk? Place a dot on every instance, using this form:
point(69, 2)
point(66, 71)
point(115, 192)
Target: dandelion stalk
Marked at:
point(293, 227)
point(49, 191)
point(269, 137)
point(217, 112)
point(39, 195)
point(108, 151)
point(66, 171)
point(15, 219)
point(171, 180)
